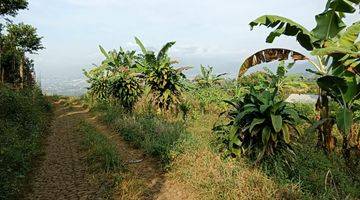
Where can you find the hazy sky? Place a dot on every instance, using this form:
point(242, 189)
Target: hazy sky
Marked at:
point(212, 32)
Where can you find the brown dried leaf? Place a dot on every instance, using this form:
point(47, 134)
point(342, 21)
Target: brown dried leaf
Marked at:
point(269, 55)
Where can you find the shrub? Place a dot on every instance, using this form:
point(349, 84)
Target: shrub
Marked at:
point(24, 116)
point(259, 125)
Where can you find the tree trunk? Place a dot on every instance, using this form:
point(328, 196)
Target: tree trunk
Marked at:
point(21, 71)
point(325, 138)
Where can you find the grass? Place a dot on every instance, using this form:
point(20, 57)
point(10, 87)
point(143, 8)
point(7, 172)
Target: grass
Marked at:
point(214, 177)
point(153, 133)
point(102, 158)
point(24, 118)
point(188, 150)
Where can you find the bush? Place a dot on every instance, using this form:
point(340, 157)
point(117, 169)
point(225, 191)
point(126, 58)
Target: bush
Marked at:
point(24, 116)
point(258, 125)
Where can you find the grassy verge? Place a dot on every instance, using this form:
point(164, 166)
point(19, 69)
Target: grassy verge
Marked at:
point(103, 160)
point(156, 135)
point(24, 118)
point(190, 153)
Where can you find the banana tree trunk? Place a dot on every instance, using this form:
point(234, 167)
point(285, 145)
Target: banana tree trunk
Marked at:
point(325, 138)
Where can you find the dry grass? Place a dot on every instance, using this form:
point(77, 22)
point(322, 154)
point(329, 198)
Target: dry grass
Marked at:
point(200, 167)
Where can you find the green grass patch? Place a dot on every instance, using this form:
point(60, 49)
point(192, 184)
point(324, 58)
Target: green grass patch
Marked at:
point(24, 118)
point(153, 133)
point(101, 153)
point(103, 160)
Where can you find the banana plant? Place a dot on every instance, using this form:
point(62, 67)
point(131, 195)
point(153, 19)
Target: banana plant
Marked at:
point(116, 79)
point(259, 125)
point(207, 78)
point(343, 85)
point(164, 80)
point(329, 25)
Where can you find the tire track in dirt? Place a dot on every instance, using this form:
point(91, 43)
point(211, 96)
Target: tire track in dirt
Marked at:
point(62, 173)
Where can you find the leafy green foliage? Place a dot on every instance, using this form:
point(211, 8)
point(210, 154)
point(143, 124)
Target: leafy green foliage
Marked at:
point(164, 80)
point(328, 42)
point(116, 79)
point(207, 79)
point(126, 89)
point(101, 153)
point(259, 125)
point(23, 37)
point(24, 118)
point(11, 7)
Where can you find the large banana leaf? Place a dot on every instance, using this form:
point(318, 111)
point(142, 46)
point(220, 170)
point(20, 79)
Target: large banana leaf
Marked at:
point(141, 45)
point(344, 120)
point(269, 55)
point(349, 37)
point(163, 52)
point(344, 6)
point(345, 52)
point(284, 26)
point(335, 86)
point(329, 22)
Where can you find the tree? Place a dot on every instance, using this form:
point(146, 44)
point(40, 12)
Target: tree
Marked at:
point(24, 39)
point(8, 8)
point(164, 80)
point(329, 25)
point(116, 79)
point(343, 84)
point(11, 7)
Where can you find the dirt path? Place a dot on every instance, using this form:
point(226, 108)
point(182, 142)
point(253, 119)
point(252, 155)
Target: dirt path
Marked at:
point(63, 173)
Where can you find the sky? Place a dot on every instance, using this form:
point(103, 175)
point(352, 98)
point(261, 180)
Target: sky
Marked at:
point(209, 32)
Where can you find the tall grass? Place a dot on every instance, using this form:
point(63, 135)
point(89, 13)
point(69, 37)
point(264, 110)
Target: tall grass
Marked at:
point(24, 117)
point(101, 153)
point(153, 133)
point(103, 160)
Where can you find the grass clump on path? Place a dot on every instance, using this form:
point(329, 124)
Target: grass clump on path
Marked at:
point(102, 158)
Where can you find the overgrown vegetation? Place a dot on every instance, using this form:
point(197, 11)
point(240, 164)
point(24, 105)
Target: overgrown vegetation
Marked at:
point(24, 118)
point(24, 112)
point(293, 146)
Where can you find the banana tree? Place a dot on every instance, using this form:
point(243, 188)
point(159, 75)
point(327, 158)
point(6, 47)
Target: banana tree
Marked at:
point(329, 24)
point(116, 78)
point(165, 82)
point(343, 85)
point(207, 78)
